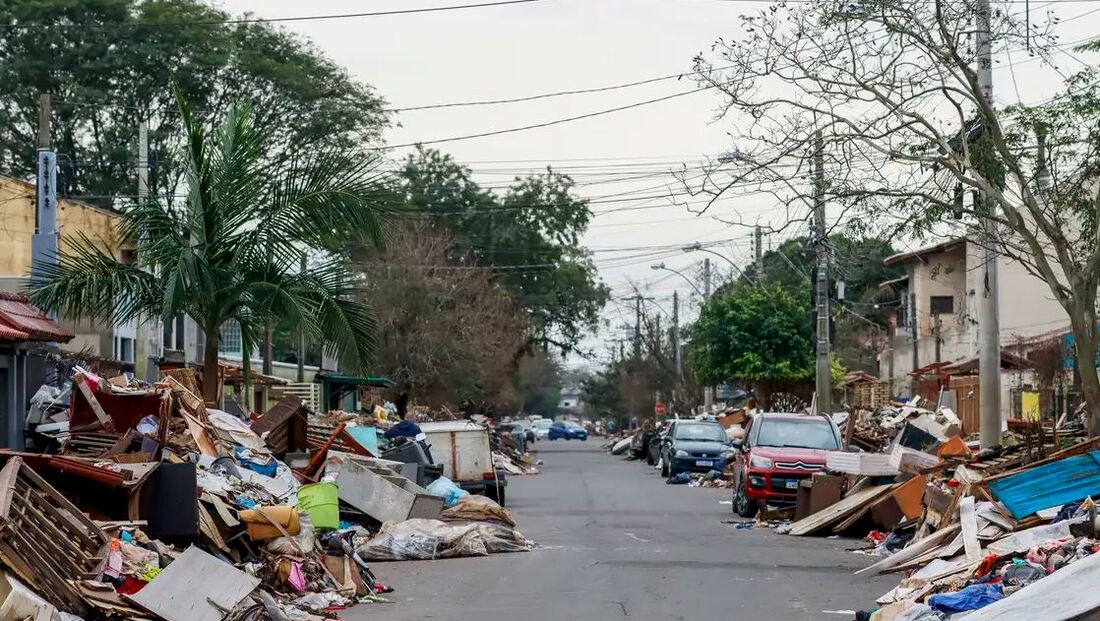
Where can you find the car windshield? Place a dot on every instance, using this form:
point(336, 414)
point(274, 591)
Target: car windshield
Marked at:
point(706, 432)
point(812, 433)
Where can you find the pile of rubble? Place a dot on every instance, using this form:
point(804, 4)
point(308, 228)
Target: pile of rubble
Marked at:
point(146, 504)
point(996, 534)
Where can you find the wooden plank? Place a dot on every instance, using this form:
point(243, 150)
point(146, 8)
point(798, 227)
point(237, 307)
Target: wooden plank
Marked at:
point(968, 518)
point(911, 551)
point(839, 511)
point(100, 413)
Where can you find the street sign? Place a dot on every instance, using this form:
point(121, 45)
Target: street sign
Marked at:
point(659, 409)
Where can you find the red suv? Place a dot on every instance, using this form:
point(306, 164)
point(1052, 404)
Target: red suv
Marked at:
point(778, 451)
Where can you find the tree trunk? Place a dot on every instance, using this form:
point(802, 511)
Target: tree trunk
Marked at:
point(210, 368)
point(1085, 343)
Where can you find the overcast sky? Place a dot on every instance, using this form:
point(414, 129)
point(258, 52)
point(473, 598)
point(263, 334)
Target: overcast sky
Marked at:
point(528, 49)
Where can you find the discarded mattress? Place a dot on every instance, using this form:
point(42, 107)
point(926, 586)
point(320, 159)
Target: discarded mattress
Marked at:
point(414, 540)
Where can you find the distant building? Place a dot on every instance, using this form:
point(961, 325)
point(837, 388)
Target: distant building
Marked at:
point(935, 317)
point(571, 401)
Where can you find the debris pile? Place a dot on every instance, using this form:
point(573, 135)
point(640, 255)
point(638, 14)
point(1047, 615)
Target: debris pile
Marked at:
point(998, 534)
point(148, 504)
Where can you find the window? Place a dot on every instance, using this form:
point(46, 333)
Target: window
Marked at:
point(943, 305)
point(712, 432)
point(229, 341)
point(124, 349)
point(810, 432)
point(173, 334)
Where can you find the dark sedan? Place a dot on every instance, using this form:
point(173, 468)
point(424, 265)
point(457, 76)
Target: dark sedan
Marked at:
point(694, 446)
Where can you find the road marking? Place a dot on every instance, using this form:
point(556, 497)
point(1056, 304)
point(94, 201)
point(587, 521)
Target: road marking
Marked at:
point(637, 538)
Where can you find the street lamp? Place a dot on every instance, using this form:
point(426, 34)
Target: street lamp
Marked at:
point(662, 266)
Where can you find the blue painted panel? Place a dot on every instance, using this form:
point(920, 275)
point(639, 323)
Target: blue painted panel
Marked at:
point(367, 436)
point(1066, 480)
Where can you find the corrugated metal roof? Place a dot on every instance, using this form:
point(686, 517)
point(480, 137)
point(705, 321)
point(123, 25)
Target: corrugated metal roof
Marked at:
point(1050, 485)
point(22, 321)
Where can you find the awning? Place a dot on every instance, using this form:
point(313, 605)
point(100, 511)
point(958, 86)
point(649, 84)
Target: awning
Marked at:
point(22, 321)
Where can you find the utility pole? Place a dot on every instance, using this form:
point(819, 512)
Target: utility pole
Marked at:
point(637, 327)
point(989, 329)
point(914, 331)
point(302, 335)
point(758, 239)
point(44, 243)
point(824, 382)
point(676, 337)
point(149, 331)
point(708, 391)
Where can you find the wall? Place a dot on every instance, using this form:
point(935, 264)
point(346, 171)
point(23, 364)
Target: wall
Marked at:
point(74, 218)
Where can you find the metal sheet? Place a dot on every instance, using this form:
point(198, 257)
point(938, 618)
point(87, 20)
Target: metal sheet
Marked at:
point(1067, 480)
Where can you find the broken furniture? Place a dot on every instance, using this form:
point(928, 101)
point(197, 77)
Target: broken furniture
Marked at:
point(46, 539)
point(381, 493)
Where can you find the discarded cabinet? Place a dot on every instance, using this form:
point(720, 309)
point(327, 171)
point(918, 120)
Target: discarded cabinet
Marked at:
point(816, 493)
point(383, 494)
point(195, 587)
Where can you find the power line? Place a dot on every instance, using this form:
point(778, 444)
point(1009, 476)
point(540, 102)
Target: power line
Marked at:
point(266, 20)
point(581, 91)
point(540, 125)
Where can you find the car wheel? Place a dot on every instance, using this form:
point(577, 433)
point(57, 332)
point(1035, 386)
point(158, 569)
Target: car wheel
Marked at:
point(742, 505)
point(496, 494)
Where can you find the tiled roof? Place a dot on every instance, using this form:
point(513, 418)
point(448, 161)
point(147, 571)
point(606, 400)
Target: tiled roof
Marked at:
point(22, 321)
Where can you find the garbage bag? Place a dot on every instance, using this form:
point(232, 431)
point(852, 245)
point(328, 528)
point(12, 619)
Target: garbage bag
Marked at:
point(972, 597)
point(420, 539)
point(478, 509)
point(446, 489)
point(680, 479)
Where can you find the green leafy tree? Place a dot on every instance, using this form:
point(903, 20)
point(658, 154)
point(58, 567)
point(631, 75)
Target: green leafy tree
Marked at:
point(757, 335)
point(231, 251)
point(532, 231)
point(111, 64)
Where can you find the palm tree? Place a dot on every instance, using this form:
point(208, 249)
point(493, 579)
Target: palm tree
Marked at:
point(231, 249)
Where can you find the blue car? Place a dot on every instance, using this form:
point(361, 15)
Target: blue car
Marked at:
point(567, 431)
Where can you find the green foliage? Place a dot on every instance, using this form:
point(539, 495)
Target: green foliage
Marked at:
point(754, 334)
point(109, 66)
point(532, 231)
point(231, 251)
point(539, 383)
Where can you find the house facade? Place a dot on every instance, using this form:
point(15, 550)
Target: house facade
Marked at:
point(936, 317)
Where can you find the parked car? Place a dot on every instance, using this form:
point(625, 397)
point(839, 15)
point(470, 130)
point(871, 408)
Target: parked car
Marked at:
point(779, 450)
point(542, 428)
point(694, 446)
point(567, 430)
point(526, 427)
point(516, 433)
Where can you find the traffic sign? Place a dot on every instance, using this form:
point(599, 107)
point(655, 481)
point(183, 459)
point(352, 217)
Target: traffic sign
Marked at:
point(659, 409)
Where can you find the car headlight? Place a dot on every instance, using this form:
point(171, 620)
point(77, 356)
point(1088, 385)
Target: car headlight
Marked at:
point(681, 453)
point(757, 461)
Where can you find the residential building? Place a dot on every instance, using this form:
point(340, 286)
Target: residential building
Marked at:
point(936, 316)
point(77, 221)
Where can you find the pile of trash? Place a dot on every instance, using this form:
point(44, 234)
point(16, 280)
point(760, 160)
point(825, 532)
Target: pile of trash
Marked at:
point(997, 534)
point(145, 503)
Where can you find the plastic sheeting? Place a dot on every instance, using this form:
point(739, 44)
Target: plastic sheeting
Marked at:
point(478, 508)
point(417, 539)
point(446, 489)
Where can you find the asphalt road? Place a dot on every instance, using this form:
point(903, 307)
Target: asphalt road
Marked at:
point(615, 542)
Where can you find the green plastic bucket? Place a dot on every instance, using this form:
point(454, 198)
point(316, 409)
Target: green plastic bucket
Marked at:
point(321, 502)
